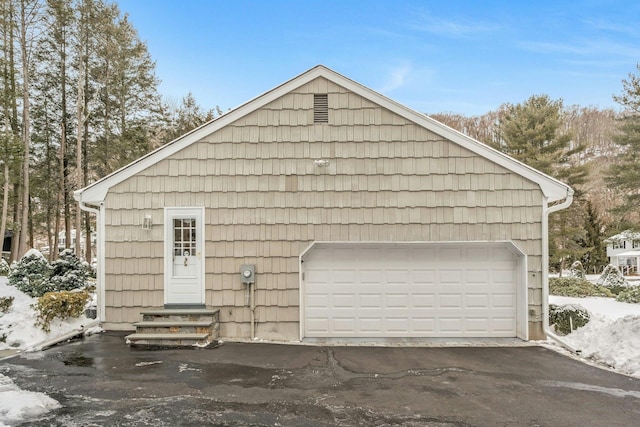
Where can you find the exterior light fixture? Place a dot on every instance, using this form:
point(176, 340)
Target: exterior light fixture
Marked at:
point(147, 222)
point(321, 163)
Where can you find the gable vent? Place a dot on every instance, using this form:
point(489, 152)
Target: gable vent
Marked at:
point(320, 108)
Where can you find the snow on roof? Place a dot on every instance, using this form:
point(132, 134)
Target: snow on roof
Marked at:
point(625, 235)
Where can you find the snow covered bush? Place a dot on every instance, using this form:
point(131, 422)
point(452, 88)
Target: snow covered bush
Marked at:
point(35, 277)
point(31, 274)
point(575, 287)
point(61, 305)
point(568, 317)
point(630, 295)
point(67, 272)
point(4, 267)
point(612, 279)
point(577, 270)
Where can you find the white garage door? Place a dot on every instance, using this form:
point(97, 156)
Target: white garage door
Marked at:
point(411, 290)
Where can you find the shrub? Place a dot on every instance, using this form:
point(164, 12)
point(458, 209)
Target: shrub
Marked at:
point(35, 277)
point(30, 275)
point(577, 270)
point(574, 287)
point(630, 295)
point(4, 267)
point(67, 272)
point(564, 316)
point(60, 305)
point(5, 304)
point(613, 279)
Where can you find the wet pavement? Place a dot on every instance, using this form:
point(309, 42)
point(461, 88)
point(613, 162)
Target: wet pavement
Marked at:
point(100, 381)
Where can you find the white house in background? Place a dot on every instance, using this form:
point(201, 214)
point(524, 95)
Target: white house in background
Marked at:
point(62, 242)
point(623, 251)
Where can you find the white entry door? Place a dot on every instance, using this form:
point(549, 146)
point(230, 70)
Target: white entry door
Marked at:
point(184, 257)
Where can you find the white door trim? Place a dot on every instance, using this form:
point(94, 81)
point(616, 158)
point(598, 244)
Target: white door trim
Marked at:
point(522, 323)
point(169, 214)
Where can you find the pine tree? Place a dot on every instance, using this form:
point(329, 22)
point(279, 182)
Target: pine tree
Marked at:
point(529, 132)
point(127, 102)
point(625, 174)
point(532, 133)
point(595, 256)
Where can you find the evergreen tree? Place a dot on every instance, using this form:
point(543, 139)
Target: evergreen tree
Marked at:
point(127, 102)
point(532, 133)
point(529, 132)
point(625, 174)
point(595, 257)
point(183, 118)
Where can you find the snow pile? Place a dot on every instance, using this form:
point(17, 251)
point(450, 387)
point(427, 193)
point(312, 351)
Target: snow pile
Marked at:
point(18, 331)
point(18, 325)
point(18, 405)
point(612, 337)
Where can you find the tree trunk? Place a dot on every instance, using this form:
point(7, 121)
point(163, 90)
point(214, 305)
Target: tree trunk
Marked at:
point(16, 216)
point(26, 129)
point(5, 202)
point(80, 105)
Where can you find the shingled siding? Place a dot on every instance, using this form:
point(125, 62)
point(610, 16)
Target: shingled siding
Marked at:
point(265, 202)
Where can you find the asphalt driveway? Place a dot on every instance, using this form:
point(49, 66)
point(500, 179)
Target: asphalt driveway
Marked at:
point(100, 381)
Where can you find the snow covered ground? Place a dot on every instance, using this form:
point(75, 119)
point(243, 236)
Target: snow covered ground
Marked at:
point(20, 334)
point(612, 336)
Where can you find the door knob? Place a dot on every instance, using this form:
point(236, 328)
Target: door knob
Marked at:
point(186, 261)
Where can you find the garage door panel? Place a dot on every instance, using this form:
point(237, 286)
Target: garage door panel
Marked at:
point(317, 300)
point(505, 300)
point(429, 291)
point(449, 301)
point(502, 276)
point(397, 276)
point(344, 300)
point(370, 276)
point(476, 301)
point(317, 325)
point(317, 276)
point(370, 324)
point(477, 324)
point(450, 276)
point(343, 276)
point(370, 300)
point(424, 276)
point(424, 325)
point(397, 301)
point(397, 324)
point(504, 324)
point(422, 255)
point(450, 325)
point(448, 254)
point(344, 324)
point(423, 300)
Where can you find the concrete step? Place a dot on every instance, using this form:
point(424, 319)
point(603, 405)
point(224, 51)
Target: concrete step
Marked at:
point(175, 311)
point(170, 340)
point(176, 323)
point(165, 315)
point(176, 327)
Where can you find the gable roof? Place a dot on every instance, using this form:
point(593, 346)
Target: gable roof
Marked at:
point(95, 193)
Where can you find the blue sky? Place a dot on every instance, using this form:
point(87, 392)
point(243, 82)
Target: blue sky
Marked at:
point(466, 57)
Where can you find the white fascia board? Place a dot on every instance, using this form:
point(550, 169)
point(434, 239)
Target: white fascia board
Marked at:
point(553, 189)
point(97, 192)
